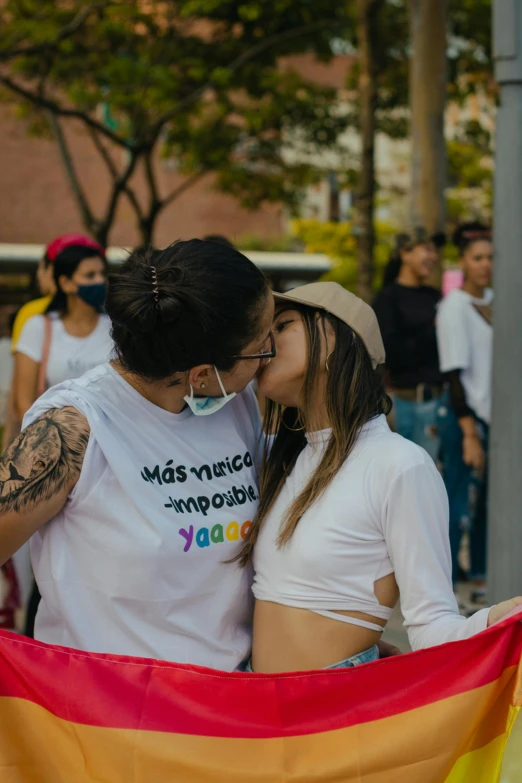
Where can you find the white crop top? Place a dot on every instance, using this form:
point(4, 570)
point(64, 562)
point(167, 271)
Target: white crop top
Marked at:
point(385, 512)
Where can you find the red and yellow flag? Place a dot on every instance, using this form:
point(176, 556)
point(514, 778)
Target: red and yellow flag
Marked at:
point(442, 714)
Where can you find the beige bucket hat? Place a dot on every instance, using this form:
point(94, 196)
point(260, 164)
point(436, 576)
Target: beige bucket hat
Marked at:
point(336, 300)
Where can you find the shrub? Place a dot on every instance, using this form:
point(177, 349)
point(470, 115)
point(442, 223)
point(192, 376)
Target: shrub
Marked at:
point(337, 241)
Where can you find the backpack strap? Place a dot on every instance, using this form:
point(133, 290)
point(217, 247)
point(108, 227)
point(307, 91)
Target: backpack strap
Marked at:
point(42, 373)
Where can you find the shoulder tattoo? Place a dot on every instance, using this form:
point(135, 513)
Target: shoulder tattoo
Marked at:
point(46, 458)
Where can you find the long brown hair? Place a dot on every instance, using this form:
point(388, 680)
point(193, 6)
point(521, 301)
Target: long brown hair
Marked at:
point(355, 393)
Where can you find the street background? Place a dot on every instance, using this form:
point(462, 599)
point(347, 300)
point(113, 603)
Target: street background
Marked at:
point(308, 134)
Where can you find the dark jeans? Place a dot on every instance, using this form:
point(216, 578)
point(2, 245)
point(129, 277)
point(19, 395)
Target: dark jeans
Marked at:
point(416, 421)
point(467, 493)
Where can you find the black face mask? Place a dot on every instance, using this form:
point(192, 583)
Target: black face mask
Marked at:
point(93, 295)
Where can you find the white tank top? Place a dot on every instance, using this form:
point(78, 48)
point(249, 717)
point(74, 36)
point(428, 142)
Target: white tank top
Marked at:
point(135, 562)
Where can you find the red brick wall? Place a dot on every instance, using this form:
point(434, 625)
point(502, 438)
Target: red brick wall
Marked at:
point(36, 204)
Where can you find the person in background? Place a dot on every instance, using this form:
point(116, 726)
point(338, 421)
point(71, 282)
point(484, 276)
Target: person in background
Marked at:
point(465, 342)
point(73, 336)
point(36, 307)
point(70, 338)
point(405, 309)
point(46, 287)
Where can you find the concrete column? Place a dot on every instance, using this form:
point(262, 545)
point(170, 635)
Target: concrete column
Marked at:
point(505, 496)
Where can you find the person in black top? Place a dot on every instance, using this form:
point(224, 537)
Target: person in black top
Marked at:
point(406, 309)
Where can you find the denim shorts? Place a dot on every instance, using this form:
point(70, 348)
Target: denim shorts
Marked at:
point(367, 656)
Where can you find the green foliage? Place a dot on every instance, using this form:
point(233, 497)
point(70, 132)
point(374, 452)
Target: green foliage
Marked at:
point(467, 166)
point(470, 66)
point(282, 244)
point(196, 79)
point(470, 54)
point(391, 67)
point(470, 175)
point(337, 241)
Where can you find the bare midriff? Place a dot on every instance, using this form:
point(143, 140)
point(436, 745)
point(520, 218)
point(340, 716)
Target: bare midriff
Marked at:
point(287, 639)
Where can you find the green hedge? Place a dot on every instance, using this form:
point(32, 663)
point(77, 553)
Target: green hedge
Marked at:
point(337, 241)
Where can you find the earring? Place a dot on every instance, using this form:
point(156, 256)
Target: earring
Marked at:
point(326, 362)
point(202, 385)
point(299, 429)
point(292, 429)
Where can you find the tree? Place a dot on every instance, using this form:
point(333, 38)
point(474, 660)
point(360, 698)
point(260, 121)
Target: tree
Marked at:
point(470, 150)
point(428, 85)
point(379, 82)
point(367, 37)
point(197, 80)
point(405, 59)
point(451, 59)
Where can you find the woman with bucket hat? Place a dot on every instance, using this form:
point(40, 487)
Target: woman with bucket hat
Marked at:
point(351, 515)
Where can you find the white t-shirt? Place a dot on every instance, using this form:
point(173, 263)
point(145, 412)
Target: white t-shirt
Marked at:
point(69, 357)
point(465, 341)
point(386, 511)
point(135, 562)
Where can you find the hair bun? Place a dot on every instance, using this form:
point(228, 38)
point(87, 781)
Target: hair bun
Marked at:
point(193, 303)
point(169, 308)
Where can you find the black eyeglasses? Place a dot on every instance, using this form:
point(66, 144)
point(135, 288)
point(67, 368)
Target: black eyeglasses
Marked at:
point(267, 355)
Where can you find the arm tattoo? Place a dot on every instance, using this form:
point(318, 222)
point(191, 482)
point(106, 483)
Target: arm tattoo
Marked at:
point(44, 459)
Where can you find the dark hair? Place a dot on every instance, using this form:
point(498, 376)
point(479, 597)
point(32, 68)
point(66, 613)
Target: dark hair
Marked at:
point(65, 264)
point(219, 239)
point(468, 233)
point(393, 267)
point(194, 303)
point(391, 270)
point(355, 393)
point(418, 236)
point(147, 249)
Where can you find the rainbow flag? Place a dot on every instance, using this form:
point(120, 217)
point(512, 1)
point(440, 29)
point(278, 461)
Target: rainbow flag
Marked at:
point(442, 714)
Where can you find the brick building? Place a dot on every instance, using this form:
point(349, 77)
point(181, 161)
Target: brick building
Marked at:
point(36, 202)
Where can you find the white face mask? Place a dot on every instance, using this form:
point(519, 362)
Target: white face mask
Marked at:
point(204, 406)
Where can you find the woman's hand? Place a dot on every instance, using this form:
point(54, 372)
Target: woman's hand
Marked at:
point(499, 611)
point(472, 452)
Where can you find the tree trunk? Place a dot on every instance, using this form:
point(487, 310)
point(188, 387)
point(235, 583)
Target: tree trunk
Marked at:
point(88, 219)
point(428, 80)
point(101, 233)
point(146, 228)
point(367, 14)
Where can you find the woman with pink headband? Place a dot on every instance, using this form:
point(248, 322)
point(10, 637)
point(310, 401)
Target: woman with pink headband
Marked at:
point(67, 338)
point(72, 335)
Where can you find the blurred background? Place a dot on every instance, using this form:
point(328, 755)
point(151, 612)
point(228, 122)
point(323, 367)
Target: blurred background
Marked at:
point(309, 134)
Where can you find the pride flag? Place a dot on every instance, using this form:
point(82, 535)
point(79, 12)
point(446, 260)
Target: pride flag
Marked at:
point(436, 715)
